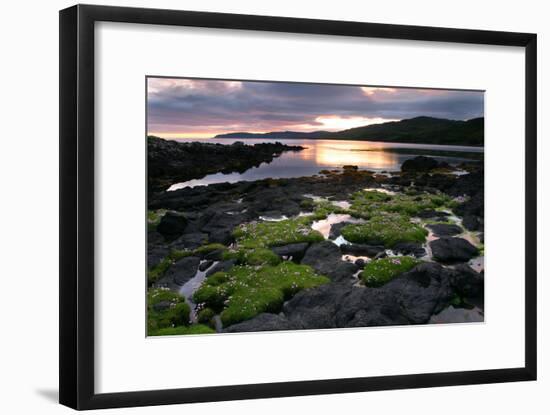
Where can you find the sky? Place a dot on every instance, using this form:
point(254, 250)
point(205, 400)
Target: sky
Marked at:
point(193, 108)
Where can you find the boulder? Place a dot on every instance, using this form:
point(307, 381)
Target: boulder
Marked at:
point(222, 266)
point(443, 229)
point(419, 164)
point(326, 259)
point(433, 214)
point(471, 222)
point(183, 270)
point(296, 251)
point(189, 241)
point(172, 225)
point(361, 249)
point(467, 282)
point(452, 250)
point(204, 265)
point(262, 322)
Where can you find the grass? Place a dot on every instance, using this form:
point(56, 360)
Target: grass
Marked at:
point(381, 271)
point(387, 229)
point(175, 314)
point(206, 249)
point(268, 234)
point(367, 203)
point(182, 330)
point(246, 291)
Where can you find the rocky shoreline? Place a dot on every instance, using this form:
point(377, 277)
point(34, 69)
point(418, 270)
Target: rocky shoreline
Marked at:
point(170, 162)
point(344, 248)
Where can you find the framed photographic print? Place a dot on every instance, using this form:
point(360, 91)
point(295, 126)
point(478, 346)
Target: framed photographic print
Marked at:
point(260, 206)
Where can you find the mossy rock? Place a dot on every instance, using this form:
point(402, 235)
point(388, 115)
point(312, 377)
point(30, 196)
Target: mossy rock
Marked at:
point(268, 234)
point(368, 203)
point(206, 249)
point(182, 330)
point(381, 271)
point(206, 316)
point(246, 291)
point(166, 308)
point(259, 256)
point(386, 229)
point(158, 271)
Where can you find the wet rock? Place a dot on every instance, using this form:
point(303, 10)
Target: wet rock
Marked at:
point(451, 250)
point(205, 265)
point(326, 259)
point(444, 229)
point(215, 255)
point(418, 164)
point(262, 322)
point(361, 249)
point(336, 229)
point(296, 251)
point(360, 263)
point(172, 225)
point(222, 266)
point(409, 248)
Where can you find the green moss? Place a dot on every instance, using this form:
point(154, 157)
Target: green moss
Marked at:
point(182, 330)
point(367, 203)
point(155, 273)
point(174, 312)
point(259, 256)
point(386, 229)
point(206, 316)
point(206, 249)
point(380, 271)
point(246, 291)
point(268, 234)
point(154, 217)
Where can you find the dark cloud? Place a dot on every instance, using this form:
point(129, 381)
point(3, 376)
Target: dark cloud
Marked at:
point(209, 107)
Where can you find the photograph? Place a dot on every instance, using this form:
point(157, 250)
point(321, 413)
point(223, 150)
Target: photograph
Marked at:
point(294, 206)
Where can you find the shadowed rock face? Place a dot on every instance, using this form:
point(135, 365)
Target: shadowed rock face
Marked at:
point(170, 161)
point(325, 258)
point(452, 250)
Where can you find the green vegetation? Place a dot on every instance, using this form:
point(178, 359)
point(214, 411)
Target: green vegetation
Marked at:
point(165, 308)
point(182, 330)
point(155, 273)
point(366, 203)
point(154, 217)
point(268, 234)
point(380, 271)
point(206, 249)
point(246, 291)
point(387, 229)
point(206, 316)
point(259, 256)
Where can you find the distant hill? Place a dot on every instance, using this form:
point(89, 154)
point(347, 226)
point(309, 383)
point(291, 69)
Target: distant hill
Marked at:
point(421, 130)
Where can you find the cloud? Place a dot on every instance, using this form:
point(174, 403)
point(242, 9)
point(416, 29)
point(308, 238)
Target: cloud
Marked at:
point(190, 107)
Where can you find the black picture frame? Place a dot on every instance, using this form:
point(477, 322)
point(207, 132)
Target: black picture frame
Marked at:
point(76, 279)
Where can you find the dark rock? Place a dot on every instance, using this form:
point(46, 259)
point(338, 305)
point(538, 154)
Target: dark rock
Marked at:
point(453, 314)
point(467, 282)
point(326, 258)
point(172, 225)
point(419, 163)
point(205, 265)
point(296, 251)
point(215, 255)
point(161, 305)
point(433, 214)
point(190, 241)
point(360, 263)
point(316, 308)
point(381, 255)
point(443, 229)
point(336, 229)
point(409, 248)
point(222, 266)
point(262, 322)
point(471, 222)
point(361, 249)
point(449, 250)
point(155, 255)
point(183, 270)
